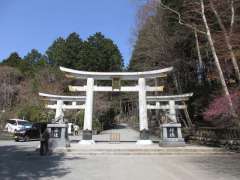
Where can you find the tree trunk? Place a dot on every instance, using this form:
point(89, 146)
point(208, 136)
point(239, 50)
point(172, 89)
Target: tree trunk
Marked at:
point(216, 60)
point(228, 42)
point(232, 17)
point(200, 63)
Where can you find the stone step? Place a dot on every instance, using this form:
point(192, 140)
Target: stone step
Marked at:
point(141, 153)
point(156, 150)
point(146, 153)
point(147, 150)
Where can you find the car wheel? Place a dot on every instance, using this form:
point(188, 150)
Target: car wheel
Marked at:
point(26, 138)
point(16, 140)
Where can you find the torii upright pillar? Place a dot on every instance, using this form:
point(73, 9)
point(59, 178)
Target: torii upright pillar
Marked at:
point(143, 120)
point(87, 127)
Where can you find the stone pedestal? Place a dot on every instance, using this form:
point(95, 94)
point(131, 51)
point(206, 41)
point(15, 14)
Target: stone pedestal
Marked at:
point(144, 138)
point(171, 135)
point(58, 136)
point(87, 135)
point(144, 134)
point(87, 138)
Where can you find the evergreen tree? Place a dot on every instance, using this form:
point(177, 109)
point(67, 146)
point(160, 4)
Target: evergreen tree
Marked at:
point(73, 45)
point(97, 53)
point(33, 57)
point(65, 52)
point(57, 52)
point(33, 61)
point(100, 54)
point(14, 60)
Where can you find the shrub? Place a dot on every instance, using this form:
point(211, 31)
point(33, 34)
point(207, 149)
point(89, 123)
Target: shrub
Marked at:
point(219, 109)
point(33, 113)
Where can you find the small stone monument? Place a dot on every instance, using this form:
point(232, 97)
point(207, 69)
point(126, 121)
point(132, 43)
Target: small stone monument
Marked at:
point(58, 136)
point(171, 135)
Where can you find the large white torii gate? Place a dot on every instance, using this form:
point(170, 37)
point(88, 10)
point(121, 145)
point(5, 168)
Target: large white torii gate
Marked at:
point(141, 88)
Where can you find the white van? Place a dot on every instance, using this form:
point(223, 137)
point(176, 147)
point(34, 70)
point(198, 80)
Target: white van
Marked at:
point(17, 124)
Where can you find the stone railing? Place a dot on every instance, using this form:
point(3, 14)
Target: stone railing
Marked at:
point(228, 137)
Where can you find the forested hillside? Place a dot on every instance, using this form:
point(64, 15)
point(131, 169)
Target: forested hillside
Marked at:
point(200, 39)
point(22, 78)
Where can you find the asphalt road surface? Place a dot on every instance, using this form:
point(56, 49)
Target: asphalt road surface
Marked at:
point(19, 160)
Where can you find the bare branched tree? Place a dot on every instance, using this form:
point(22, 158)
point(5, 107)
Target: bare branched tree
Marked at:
point(199, 23)
point(227, 35)
point(10, 80)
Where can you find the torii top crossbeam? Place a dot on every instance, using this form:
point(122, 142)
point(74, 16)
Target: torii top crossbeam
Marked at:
point(181, 97)
point(110, 75)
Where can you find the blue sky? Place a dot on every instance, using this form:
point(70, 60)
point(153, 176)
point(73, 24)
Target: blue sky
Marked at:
point(28, 24)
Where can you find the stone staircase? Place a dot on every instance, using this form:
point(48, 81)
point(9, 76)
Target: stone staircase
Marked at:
point(133, 149)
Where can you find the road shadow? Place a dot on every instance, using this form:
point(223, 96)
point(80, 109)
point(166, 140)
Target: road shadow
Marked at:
point(223, 165)
point(22, 163)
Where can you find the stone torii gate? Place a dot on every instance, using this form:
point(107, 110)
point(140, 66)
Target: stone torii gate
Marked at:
point(60, 105)
point(116, 78)
point(171, 105)
point(58, 127)
point(171, 131)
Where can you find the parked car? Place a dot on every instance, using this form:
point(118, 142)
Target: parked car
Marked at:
point(32, 133)
point(17, 124)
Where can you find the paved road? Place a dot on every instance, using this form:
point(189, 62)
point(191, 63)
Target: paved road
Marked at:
point(20, 161)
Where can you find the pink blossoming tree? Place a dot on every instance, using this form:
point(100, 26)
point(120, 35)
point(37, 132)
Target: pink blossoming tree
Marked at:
point(219, 109)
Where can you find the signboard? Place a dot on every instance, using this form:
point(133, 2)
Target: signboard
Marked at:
point(56, 132)
point(172, 132)
point(116, 83)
